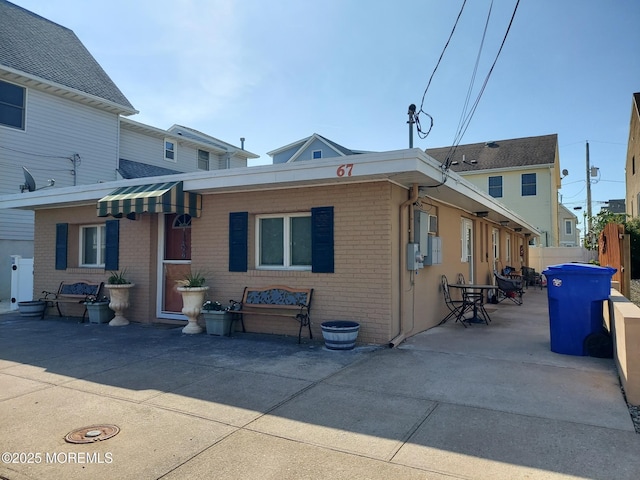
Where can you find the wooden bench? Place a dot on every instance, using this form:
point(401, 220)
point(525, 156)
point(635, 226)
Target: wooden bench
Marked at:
point(278, 301)
point(77, 292)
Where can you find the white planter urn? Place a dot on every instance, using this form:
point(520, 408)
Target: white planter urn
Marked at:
point(192, 300)
point(119, 302)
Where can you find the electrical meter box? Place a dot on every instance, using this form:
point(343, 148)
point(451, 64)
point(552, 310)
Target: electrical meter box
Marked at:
point(433, 253)
point(425, 226)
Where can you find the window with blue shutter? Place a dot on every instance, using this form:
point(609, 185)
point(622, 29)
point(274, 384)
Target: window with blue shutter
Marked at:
point(322, 240)
point(238, 232)
point(62, 233)
point(112, 244)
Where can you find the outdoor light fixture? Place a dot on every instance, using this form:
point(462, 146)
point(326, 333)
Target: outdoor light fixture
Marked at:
point(482, 214)
point(517, 229)
point(504, 223)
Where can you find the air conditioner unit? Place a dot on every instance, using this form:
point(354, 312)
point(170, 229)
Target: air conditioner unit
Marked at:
point(433, 224)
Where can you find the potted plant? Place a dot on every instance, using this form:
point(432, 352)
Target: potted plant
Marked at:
point(98, 309)
point(192, 288)
point(217, 318)
point(119, 286)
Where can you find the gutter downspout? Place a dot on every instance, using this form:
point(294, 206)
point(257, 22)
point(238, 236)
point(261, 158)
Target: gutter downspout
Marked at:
point(401, 264)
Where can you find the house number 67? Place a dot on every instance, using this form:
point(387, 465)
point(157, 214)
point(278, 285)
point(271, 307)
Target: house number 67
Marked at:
point(345, 169)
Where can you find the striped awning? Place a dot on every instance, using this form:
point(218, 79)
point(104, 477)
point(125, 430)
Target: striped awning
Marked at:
point(165, 197)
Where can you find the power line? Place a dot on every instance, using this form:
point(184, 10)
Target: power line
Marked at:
point(484, 85)
point(422, 134)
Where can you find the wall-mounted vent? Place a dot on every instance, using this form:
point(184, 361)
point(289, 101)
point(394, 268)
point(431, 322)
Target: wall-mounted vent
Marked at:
point(433, 224)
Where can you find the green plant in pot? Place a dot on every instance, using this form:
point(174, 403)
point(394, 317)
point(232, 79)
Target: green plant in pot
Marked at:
point(192, 288)
point(119, 286)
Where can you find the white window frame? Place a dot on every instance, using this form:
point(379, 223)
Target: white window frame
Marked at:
point(174, 151)
point(495, 240)
point(286, 241)
point(313, 153)
point(568, 231)
point(101, 251)
point(23, 127)
point(208, 159)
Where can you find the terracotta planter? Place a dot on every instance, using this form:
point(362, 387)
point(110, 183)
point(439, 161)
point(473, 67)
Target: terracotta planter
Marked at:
point(192, 300)
point(119, 302)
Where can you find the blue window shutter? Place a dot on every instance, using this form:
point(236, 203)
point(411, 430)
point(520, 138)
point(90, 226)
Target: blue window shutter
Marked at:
point(112, 245)
point(322, 240)
point(238, 232)
point(62, 233)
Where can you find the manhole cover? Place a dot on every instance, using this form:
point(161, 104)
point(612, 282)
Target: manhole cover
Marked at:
point(94, 433)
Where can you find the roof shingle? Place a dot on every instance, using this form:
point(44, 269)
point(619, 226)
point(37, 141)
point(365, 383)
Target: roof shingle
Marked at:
point(39, 47)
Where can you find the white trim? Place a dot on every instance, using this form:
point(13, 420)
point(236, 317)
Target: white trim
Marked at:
point(165, 150)
point(63, 91)
point(286, 225)
point(99, 236)
point(24, 109)
point(160, 275)
point(401, 167)
point(308, 143)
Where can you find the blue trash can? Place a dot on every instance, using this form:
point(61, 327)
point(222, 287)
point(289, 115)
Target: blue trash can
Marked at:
point(576, 292)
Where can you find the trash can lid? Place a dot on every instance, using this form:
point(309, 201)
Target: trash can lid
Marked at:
point(579, 268)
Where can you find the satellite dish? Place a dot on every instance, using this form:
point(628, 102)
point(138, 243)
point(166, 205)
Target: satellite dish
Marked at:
point(30, 183)
point(565, 172)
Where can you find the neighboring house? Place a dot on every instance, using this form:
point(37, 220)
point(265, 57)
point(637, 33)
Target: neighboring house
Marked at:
point(61, 117)
point(568, 227)
point(149, 151)
point(632, 171)
point(343, 228)
point(314, 147)
point(522, 173)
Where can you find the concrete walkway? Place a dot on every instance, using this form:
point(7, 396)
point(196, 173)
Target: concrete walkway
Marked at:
point(486, 402)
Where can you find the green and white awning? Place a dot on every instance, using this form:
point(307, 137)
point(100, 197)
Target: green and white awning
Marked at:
point(165, 197)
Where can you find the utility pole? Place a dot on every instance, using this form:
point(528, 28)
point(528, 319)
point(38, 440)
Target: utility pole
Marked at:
point(589, 220)
point(411, 121)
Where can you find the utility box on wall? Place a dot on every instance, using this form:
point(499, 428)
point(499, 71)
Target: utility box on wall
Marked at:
point(433, 254)
point(425, 227)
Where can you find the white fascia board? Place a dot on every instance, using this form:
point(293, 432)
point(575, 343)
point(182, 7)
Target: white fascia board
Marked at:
point(402, 167)
point(62, 89)
point(287, 147)
point(160, 133)
point(541, 166)
point(318, 172)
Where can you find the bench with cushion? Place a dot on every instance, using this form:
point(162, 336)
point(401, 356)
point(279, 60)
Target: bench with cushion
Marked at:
point(76, 292)
point(278, 301)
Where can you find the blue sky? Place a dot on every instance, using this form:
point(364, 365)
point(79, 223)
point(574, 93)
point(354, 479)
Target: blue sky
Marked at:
point(277, 71)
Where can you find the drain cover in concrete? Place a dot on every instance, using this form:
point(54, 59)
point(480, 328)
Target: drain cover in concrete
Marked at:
point(94, 433)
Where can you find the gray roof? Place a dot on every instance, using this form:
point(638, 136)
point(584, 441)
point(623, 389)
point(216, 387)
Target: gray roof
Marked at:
point(636, 96)
point(517, 152)
point(339, 147)
point(131, 169)
point(39, 47)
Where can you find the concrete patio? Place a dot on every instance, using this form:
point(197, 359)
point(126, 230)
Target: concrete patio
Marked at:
point(485, 402)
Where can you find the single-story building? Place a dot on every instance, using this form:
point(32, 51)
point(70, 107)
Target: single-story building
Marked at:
point(343, 229)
